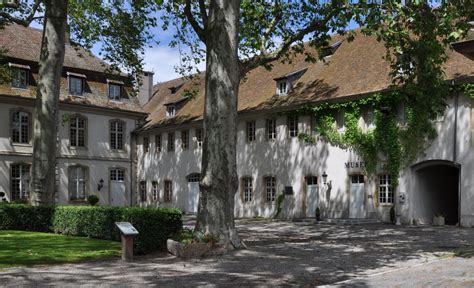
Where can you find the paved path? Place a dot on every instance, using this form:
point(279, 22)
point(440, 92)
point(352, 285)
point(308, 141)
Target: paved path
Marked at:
point(281, 253)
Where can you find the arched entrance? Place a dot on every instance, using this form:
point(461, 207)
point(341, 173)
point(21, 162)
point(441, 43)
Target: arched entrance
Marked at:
point(437, 190)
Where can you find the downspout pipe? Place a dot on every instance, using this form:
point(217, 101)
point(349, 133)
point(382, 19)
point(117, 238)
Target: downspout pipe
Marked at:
point(455, 132)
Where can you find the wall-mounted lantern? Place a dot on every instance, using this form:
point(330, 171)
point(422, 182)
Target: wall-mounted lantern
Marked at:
point(325, 180)
point(100, 185)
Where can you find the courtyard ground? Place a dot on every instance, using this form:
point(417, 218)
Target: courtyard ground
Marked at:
point(288, 254)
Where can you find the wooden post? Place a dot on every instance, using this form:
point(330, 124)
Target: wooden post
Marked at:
point(127, 248)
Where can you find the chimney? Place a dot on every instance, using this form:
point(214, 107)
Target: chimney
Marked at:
point(146, 88)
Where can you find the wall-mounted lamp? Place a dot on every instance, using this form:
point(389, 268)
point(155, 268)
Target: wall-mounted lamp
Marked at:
point(325, 180)
point(100, 185)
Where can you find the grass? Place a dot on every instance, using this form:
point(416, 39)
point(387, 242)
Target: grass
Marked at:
point(23, 248)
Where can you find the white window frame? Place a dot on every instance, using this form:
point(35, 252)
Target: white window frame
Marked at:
point(386, 193)
point(271, 132)
point(113, 87)
point(369, 118)
point(74, 93)
point(78, 183)
point(21, 126)
point(117, 135)
point(199, 135)
point(170, 110)
point(270, 188)
point(282, 87)
point(154, 190)
point(247, 189)
point(20, 78)
point(117, 174)
point(74, 141)
point(22, 179)
point(170, 143)
point(251, 132)
point(168, 192)
point(184, 139)
point(292, 123)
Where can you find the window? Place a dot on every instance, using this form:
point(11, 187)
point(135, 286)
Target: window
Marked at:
point(340, 124)
point(386, 194)
point(143, 191)
point(19, 78)
point(158, 143)
point(247, 189)
point(20, 127)
point(117, 174)
point(311, 180)
point(250, 131)
point(194, 177)
point(270, 188)
point(171, 141)
point(270, 128)
point(20, 181)
point(185, 139)
point(146, 144)
point(168, 197)
point(369, 119)
point(401, 115)
point(293, 126)
point(282, 88)
point(154, 187)
point(77, 182)
point(76, 86)
point(115, 92)
point(170, 110)
point(77, 131)
point(199, 138)
point(116, 135)
point(357, 179)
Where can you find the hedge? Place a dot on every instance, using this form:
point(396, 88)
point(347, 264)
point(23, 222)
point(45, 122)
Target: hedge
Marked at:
point(155, 225)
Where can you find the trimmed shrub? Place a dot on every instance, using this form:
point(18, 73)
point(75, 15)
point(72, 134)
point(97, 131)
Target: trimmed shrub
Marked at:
point(92, 200)
point(155, 225)
point(25, 217)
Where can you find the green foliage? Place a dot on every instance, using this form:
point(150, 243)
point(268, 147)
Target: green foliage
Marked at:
point(92, 200)
point(280, 200)
point(25, 217)
point(155, 225)
point(25, 248)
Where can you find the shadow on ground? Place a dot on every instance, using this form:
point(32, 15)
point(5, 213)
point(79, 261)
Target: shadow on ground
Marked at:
point(279, 253)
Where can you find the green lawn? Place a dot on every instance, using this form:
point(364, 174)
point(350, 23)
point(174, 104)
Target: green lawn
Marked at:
point(22, 248)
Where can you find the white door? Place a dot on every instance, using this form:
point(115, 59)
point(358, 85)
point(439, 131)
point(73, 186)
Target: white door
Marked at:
point(311, 195)
point(192, 200)
point(357, 196)
point(193, 197)
point(117, 187)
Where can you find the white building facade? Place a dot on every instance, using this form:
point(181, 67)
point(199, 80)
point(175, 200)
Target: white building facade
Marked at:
point(97, 115)
point(272, 160)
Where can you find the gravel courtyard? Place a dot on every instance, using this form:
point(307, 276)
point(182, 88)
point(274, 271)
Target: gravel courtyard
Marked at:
point(280, 253)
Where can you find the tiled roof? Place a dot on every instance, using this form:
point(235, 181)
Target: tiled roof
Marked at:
point(24, 43)
point(356, 68)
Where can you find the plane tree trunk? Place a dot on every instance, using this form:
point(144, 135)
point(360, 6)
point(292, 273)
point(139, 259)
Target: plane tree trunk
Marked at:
point(219, 168)
point(47, 99)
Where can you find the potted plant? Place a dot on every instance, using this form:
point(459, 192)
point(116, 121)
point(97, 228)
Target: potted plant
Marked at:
point(92, 200)
point(438, 219)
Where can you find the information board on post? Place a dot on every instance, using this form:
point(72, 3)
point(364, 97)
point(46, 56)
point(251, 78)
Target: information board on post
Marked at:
point(126, 228)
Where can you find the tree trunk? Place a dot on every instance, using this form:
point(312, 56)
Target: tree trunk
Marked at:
point(219, 167)
point(47, 99)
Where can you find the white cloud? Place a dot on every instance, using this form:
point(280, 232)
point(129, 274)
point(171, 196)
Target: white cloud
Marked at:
point(161, 60)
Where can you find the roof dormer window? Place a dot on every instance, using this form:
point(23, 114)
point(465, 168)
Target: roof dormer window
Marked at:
point(76, 83)
point(170, 110)
point(19, 75)
point(282, 87)
point(115, 90)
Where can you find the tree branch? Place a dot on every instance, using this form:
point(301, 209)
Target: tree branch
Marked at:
point(265, 58)
point(202, 9)
point(26, 21)
point(197, 28)
point(276, 19)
